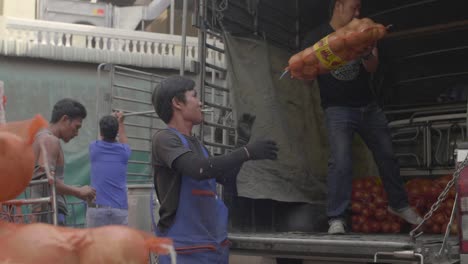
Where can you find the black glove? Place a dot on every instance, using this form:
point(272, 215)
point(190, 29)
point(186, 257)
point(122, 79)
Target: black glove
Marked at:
point(244, 129)
point(262, 149)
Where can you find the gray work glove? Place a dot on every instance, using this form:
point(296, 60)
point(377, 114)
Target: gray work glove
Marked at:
point(262, 149)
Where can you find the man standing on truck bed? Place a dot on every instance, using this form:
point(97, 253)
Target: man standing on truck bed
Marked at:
point(349, 107)
point(185, 176)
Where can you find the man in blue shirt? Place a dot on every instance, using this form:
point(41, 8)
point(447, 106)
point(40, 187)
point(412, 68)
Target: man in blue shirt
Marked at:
point(109, 160)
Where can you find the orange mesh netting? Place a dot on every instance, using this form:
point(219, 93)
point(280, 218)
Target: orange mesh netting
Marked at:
point(336, 49)
point(25, 129)
point(16, 155)
point(43, 243)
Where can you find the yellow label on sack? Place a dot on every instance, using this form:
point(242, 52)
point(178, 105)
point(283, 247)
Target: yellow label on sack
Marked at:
point(326, 56)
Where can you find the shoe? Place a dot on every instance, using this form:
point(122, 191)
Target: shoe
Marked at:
point(408, 214)
point(337, 226)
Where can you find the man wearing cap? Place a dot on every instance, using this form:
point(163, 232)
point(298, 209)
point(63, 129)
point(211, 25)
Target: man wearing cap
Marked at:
point(185, 176)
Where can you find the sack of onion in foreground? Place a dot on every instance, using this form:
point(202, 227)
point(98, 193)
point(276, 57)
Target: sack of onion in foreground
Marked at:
point(369, 204)
point(336, 49)
point(17, 156)
point(43, 243)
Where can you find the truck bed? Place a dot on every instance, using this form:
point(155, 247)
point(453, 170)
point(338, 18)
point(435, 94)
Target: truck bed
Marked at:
point(324, 246)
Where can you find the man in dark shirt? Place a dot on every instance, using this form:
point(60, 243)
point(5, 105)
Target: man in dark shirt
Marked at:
point(349, 107)
point(185, 176)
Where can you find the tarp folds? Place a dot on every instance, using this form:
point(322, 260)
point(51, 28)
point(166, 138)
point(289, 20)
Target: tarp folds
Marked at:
point(288, 112)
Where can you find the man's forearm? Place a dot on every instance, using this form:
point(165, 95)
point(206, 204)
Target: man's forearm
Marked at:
point(64, 189)
point(214, 167)
point(122, 134)
point(371, 61)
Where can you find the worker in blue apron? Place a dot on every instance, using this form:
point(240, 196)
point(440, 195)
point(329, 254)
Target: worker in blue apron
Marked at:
point(185, 176)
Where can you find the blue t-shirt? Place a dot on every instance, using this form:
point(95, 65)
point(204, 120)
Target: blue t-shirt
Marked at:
point(109, 172)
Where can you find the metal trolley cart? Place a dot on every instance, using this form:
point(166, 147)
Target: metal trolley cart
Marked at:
point(21, 210)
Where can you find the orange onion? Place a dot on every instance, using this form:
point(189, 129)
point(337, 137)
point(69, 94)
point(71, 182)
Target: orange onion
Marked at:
point(43, 243)
point(16, 165)
point(17, 156)
point(336, 49)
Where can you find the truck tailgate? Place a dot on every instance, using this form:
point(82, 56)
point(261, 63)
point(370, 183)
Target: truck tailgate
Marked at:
point(304, 245)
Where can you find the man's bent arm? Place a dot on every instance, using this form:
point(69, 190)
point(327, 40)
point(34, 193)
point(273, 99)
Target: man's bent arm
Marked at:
point(217, 167)
point(52, 153)
point(122, 133)
point(64, 189)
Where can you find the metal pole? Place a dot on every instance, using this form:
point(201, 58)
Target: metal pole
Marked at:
point(298, 26)
point(2, 104)
point(201, 14)
point(149, 112)
point(256, 20)
point(98, 96)
point(439, 28)
point(184, 38)
point(54, 202)
point(466, 123)
point(139, 113)
point(52, 181)
point(392, 10)
point(449, 225)
point(171, 25)
point(112, 92)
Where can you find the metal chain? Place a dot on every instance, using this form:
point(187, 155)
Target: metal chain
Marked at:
point(440, 199)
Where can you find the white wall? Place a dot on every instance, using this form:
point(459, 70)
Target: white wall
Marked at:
point(19, 8)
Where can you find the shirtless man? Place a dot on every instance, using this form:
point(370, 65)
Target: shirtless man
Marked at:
point(65, 122)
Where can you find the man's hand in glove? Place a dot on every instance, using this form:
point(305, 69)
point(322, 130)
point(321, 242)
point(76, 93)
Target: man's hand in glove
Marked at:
point(262, 149)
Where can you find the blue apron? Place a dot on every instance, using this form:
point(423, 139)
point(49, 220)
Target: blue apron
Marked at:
point(199, 230)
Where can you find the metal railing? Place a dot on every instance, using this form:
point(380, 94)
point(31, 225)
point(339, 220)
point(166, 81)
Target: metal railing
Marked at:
point(82, 43)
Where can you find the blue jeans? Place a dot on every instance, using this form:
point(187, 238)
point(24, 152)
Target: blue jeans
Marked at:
point(96, 217)
point(372, 125)
point(61, 219)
